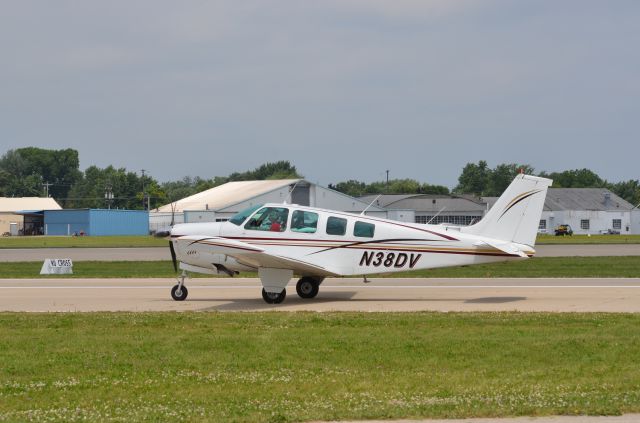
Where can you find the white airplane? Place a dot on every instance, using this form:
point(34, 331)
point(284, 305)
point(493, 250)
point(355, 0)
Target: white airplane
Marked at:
point(282, 240)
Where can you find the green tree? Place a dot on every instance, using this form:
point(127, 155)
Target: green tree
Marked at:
point(629, 190)
point(25, 170)
point(577, 178)
point(474, 179)
point(395, 186)
point(502, 175)
point(126, 187)
point(278, 170)
point(351, 187)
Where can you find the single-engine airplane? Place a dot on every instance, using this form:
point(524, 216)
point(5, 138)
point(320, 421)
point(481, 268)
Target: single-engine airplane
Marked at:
point(282, 240)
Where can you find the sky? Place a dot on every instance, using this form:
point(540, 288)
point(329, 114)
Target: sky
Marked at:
point(343, 89)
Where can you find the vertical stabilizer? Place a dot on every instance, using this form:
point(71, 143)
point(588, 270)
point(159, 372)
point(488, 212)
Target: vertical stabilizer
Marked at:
point(516, 215)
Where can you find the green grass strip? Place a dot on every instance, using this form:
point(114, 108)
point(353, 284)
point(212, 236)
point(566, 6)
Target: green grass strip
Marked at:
point(556, 267)
point(588, 239)
point(281, 367)
point(81, 242)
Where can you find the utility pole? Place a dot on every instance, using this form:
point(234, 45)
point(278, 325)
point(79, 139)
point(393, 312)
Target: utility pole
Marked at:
point(387, 186)
point(46, 186)
point(144, 193)
point(108, 195)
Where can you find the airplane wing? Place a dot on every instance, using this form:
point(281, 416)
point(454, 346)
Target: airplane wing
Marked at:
point(250, 255)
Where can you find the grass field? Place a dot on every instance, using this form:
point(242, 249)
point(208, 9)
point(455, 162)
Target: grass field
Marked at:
point(561, 267)
point(149, 241)
point(81, 241)
point(584, 239)
point(279, 367)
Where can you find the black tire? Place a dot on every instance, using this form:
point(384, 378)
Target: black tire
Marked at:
point(273, 298)
point(307, 287)
point(181, 295)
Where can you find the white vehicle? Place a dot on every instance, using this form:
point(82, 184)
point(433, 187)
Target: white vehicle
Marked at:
point(282, 240)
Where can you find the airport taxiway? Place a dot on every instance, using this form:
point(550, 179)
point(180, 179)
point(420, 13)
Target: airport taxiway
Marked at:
point(336, 294)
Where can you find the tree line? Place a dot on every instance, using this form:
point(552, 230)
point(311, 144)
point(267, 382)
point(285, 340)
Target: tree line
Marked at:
point(480, 180)
point(37, 172)
point(33, 172)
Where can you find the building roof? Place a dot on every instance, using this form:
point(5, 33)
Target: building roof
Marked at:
point(227, 195)
point(601, 199)
point(14, 204)
point(428, 203)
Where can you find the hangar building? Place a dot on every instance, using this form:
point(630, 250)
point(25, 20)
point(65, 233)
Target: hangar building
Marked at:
point(23, 215)
point(589, 211)
point(431, 208)
point(222, 202)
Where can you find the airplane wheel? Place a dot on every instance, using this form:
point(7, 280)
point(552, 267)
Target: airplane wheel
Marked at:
point(179, 294)
point(307, 287)
point(274, 298)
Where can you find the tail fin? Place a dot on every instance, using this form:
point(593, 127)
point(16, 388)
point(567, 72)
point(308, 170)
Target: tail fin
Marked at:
point(516, 215)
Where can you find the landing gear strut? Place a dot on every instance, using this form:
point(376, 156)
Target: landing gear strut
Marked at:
point(274, 297)
point(179, 292)
point(308, 287)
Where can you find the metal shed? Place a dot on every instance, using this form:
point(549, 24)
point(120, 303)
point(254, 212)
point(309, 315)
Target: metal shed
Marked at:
point(96, 222)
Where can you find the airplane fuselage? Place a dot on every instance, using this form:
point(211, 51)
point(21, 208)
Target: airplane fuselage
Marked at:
point(330, 243)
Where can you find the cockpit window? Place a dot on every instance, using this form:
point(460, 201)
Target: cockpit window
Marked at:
point(269, 219)
point(240, 217)
point(304, 221)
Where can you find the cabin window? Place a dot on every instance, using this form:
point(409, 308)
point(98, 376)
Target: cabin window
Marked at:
point(304, 221)
point(272, 219)
point(336, 226)
point(364, 229)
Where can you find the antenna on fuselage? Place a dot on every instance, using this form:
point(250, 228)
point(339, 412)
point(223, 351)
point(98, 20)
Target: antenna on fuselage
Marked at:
point(431, 220)
point(370, 204)
point(291, 191)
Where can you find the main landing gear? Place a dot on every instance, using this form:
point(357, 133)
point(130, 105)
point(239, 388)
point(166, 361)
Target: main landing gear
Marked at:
point(274, 297)
point(308, 287)
point(179, 292)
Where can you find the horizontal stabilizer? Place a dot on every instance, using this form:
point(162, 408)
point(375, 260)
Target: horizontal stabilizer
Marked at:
point(506, 247)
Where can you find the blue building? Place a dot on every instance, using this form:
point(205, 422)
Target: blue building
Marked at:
point(96, 222)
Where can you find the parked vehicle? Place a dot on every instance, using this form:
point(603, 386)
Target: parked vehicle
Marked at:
point(563, 230)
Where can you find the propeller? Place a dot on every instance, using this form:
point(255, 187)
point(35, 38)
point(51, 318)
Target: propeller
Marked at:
point(173, 257)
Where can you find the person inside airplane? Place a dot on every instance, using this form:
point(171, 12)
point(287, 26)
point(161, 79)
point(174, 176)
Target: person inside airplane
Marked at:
point(269, 219)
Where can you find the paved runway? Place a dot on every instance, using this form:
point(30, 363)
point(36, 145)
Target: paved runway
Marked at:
point(400, 294)
point(157, 253)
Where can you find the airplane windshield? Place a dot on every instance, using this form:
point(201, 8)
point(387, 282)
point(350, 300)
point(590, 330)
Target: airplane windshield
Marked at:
point(240, 217)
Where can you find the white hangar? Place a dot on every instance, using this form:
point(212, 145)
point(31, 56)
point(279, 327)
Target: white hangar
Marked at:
point(23, 215)
point(589, 211)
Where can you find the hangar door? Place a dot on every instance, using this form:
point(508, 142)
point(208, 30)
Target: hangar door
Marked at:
point(300, 195)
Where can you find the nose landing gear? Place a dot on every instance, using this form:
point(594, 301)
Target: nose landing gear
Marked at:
point(179, 292)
